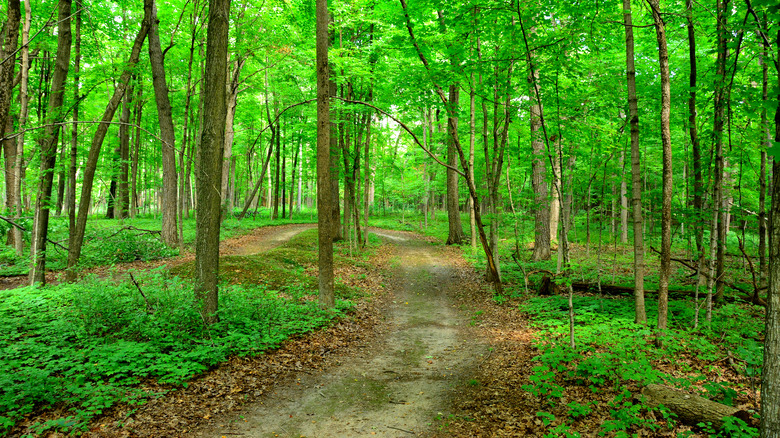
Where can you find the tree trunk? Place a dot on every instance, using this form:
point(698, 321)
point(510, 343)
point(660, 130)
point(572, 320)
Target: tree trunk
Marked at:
point(455, 235)
point(770, 376)
point(169, 231)
point(7, 54)
point(139, 106)
point(766, 145)
point(77, 237)
point(539, 179)
point(324, 160)
point(232, 103)
point(24, 100)
point(49, 145)
point(623, 199)
point(12, 151)
point(123, 191)
point(640, 315)
point(74, 138)
point(666, 196)
point(209, 174)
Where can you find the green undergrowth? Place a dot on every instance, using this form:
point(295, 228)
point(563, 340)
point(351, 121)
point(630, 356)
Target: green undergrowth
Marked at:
point(82, 348)
point(614, 357)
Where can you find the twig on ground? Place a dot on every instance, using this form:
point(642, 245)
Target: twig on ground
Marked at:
point(138, 286)
point(402, 430)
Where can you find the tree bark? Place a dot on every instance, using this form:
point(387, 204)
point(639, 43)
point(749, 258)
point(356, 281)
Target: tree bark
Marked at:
point(123, 190)
point(666, 196)
point(12, 152)
point(49, 145)
point(209, 172)
point(324, 160)
point(8, 56)
point(169, 231)
point(74, 138)
point(770, 375)
point(139, 106)
point(539, 178)
point(76, 239)
point(455, 235)
point(640, 316)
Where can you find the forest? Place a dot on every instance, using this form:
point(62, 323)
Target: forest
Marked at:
point(605, 171)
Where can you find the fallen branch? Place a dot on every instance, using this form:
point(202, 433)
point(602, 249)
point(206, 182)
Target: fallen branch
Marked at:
point(27, 231)
point(138, 286)
point(130, 227)
point(756, 299)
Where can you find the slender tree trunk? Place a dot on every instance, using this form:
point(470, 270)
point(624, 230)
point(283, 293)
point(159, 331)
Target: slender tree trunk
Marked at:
point(49, 145)
point(766, 144)
point(123, 195)
point(324, 160)
point(139, 106)
point(640, 316)
point(77, 237)
point(666, 197)
point(169, 231)
point(24, 100)
point(209, 172)
point(698, 184)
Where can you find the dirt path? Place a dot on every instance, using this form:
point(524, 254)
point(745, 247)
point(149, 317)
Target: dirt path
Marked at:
point(395, 388)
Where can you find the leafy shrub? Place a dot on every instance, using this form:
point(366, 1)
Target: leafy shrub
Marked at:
point(87, 344)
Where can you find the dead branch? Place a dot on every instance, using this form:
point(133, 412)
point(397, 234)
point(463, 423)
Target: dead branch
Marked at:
point(138, 286)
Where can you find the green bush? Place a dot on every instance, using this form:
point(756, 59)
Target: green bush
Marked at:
point(87, 344)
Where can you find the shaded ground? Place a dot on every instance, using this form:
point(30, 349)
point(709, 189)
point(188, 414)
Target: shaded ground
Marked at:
point(400, 384)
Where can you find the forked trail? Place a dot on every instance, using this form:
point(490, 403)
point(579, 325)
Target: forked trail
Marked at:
point(397, 386)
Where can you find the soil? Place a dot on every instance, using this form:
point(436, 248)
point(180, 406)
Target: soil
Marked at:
point(399, 384)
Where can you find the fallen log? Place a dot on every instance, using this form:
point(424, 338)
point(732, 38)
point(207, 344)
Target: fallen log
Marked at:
point(692, 409)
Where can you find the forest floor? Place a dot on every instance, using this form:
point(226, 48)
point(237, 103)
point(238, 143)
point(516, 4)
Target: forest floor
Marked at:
point(427, 352)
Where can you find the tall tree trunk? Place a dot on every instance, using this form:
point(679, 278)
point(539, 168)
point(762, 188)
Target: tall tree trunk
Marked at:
point(766, 145)
point(209, 173)
point(717, 133)
point(640, 316)
point(539, 178)
point(698, 183)
point(324, 160)
point(24, 100)
point(169, 231)
point(8, 56)
point(455, 235)
point(49, 145)
point(666, 196)
point(74, 138)
point(77, 237)
point(770, 375)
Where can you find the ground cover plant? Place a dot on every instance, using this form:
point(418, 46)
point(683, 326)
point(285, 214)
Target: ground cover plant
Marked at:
point(81, 348)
